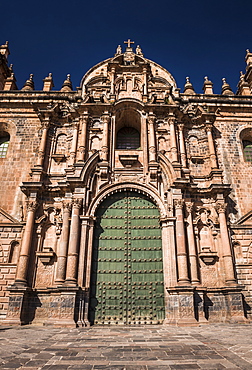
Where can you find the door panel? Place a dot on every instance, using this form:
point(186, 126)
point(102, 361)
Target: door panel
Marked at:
point(127, 268)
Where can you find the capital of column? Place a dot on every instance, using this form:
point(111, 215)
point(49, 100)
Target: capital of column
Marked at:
point(45, 124)
point(208, 127)
point(179, 203)
point(181, 126)
point(221, 207)
point(189, 207)
point(77, 203)
point(67, 206)
point(75, 124)
point(105, 117)
point(32, 205)
point(151, 118)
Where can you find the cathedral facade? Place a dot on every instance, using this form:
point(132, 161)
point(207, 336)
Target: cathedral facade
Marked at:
point(126, 201)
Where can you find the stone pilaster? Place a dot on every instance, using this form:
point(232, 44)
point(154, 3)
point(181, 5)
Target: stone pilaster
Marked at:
point(182, 145)
point(174, 149)
point(74, 142)
point(152, 144)
point(63, 246)
point(83, 138)
point(104, 148)
point(226, 246)
point(42, 146)
point(211, 146)
point(23, 263)
point(193, 259)
point(183, 278)
point(73, 249)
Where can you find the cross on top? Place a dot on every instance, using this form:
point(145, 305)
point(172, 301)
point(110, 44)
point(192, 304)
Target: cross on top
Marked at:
point(129, 42)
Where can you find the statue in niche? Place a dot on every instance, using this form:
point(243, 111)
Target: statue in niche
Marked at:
point(205, 230)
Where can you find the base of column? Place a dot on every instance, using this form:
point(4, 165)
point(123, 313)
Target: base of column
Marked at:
point(180, 310)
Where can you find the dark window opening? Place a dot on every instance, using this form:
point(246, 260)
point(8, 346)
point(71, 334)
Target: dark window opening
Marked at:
point(128, 138)
point(247, 150)
point(4, 143)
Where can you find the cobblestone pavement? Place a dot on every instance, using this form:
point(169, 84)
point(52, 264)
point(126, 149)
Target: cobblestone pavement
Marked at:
point(127, 348)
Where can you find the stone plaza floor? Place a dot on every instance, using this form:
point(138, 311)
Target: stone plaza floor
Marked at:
point(127, 348)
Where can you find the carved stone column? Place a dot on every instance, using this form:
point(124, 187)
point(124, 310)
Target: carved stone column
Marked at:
point(152, 143)
point(174, 149)
point(62, 254)
point(193, 259)
point(182, 145)
point(42, 146)
point(104, 148)
point(23, 263)
point(73, 249)
point(169, 252)
point(183, 278)
point(226, 246)
point(211, 146)
point(74, 142)
point(83, 249)
point(145, 91)
point(83, 138)
point(112, 89)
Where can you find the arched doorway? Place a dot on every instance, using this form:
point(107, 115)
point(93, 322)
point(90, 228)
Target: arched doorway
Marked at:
point(127, 268)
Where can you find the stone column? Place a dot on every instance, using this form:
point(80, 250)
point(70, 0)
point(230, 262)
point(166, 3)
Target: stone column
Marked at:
point(73, 249)
point(169, 252)
point(212, 153)
point(104, 148)
point(83, 249)
point(112, 89)
point(42, 146)
point(182, 145)
point(145, 81)
point(62, 254)
point(152, 143)
point(89, 254)
point(193, 259)
point(183, 278)
point(174, 149)
point(74, 142)
point(83, 138)
point(23, 263)
point(226, 246)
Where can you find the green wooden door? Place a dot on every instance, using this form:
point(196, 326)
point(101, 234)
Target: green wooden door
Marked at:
point(127, 268)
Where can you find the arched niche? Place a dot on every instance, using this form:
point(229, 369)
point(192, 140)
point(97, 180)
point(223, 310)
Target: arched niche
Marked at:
point(128, 120)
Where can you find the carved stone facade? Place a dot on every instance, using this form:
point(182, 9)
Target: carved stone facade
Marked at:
point(127, 129)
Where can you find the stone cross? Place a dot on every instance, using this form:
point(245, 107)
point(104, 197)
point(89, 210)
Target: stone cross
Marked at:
point(129, 42)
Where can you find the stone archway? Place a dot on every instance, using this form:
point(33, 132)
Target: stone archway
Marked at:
point(127, 284)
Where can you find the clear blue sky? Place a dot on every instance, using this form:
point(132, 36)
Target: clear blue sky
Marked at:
point(189, 38)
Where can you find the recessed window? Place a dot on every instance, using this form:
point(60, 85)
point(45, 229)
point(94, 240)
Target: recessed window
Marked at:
point(128, 138)
point(4, 143)
point(247, 150)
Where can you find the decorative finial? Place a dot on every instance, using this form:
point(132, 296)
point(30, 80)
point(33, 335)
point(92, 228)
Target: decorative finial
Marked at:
point(206, 78)
point(50, 75)
point(67, 84)
point(226, 89)
point(188, 89)
point(247, 50)
point(11, 67)
point(29, 84)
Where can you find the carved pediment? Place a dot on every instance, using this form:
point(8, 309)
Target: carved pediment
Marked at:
point(6, 218)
